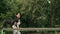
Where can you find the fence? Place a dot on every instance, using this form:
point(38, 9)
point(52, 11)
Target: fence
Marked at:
point(33, 29)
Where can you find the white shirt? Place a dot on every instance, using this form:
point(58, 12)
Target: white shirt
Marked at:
point(18, 23)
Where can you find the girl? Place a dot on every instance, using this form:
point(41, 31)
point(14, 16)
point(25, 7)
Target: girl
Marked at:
point(17, 22)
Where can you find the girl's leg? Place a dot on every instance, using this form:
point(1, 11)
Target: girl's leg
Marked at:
point(19, 32)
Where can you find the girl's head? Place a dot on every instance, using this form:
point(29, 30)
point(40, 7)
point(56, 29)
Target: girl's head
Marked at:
point(18, 15)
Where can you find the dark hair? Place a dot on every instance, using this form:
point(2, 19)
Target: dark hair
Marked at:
point(17, 13)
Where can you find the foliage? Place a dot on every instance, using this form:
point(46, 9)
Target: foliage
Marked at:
point(35, 13)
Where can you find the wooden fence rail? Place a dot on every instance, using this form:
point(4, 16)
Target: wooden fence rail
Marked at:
point(33, 29)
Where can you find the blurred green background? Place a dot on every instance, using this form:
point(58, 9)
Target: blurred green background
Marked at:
point(34, 13)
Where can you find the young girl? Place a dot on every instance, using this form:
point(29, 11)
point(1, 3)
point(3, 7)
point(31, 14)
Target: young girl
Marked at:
point(18, 16)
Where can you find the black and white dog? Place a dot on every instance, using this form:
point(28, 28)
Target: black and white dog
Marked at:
point(9, 22)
